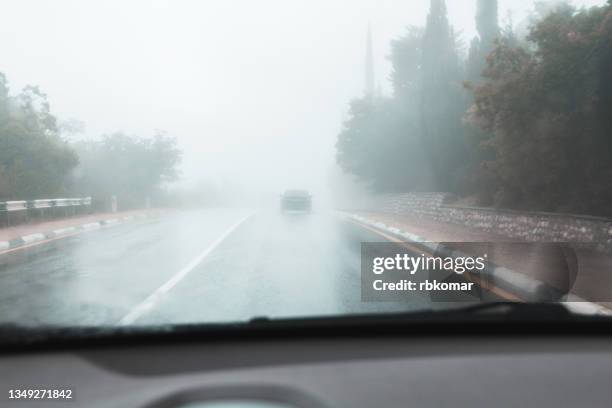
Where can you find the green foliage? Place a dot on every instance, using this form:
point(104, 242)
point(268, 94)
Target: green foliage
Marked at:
point(413, 141)
point(442, 100)
point(549, 113)
point(130, 168)
point(405, 59)
point(378, 146)
point(487, 24)
point(488, 29)
point(34, 160)
point(538, 135)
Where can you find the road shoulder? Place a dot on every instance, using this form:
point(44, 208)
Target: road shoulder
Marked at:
point(30, 234)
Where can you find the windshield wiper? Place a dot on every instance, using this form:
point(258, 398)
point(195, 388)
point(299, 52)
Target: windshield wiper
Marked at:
point(477, 319)
point(516, 309)
point(480, 311)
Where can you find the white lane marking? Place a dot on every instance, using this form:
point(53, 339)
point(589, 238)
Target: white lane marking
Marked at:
point(156, 296)
point(572, 302)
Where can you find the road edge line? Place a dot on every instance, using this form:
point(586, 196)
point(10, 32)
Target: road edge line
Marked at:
point(150, 301)
point(571, 302)
point(38, 238)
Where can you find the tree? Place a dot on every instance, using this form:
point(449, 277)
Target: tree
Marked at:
point(405, 58)
point(35, 161)
point(549, 113)
point(380, 147)
point(442, 99)
point(380, 142)
point(474, 63)
point(131, 168)
point(487, 25)
point(414, 140)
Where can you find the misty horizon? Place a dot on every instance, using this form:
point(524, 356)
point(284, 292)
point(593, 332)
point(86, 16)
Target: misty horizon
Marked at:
point(254, 93)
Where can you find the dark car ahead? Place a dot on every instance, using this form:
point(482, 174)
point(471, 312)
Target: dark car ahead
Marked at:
point(296, 200)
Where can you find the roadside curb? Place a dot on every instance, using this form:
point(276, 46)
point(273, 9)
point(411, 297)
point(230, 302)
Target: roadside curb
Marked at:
point(521, 285)
point(61, 232)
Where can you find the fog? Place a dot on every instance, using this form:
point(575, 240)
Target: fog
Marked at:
point(254, 91)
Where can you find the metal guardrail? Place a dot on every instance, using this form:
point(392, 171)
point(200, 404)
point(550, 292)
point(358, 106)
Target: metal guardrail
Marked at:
point(10, 206)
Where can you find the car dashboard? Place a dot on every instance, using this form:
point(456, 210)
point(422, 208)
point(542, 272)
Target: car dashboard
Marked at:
point(372, 368)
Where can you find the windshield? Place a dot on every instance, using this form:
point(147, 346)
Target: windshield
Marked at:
point(167, 162)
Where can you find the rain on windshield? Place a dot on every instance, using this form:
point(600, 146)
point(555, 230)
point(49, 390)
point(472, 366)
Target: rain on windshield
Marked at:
point(168, 162)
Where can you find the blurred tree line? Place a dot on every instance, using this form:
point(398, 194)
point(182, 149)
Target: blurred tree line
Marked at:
point(37, 161)
point(132, 169)
point(521, 123)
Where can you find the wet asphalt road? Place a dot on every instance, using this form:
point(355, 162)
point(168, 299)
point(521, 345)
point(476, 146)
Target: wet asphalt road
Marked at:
point(186, 267)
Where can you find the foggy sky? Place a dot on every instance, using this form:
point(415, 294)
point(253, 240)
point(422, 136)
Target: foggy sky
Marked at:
point(255, 90)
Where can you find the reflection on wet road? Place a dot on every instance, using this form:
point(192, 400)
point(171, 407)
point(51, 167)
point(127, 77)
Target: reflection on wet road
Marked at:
point(200, 266)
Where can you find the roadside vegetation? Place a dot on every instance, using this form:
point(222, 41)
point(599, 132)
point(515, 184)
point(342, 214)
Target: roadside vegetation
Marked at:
point(37, 160)
point(510, 120)
point(522, 122)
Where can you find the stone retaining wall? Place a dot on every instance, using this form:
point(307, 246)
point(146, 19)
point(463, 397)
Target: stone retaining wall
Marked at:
point(528, 226)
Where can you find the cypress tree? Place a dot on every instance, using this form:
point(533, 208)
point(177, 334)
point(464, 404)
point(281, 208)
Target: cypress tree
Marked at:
point(442, 103)
point(487, 24)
